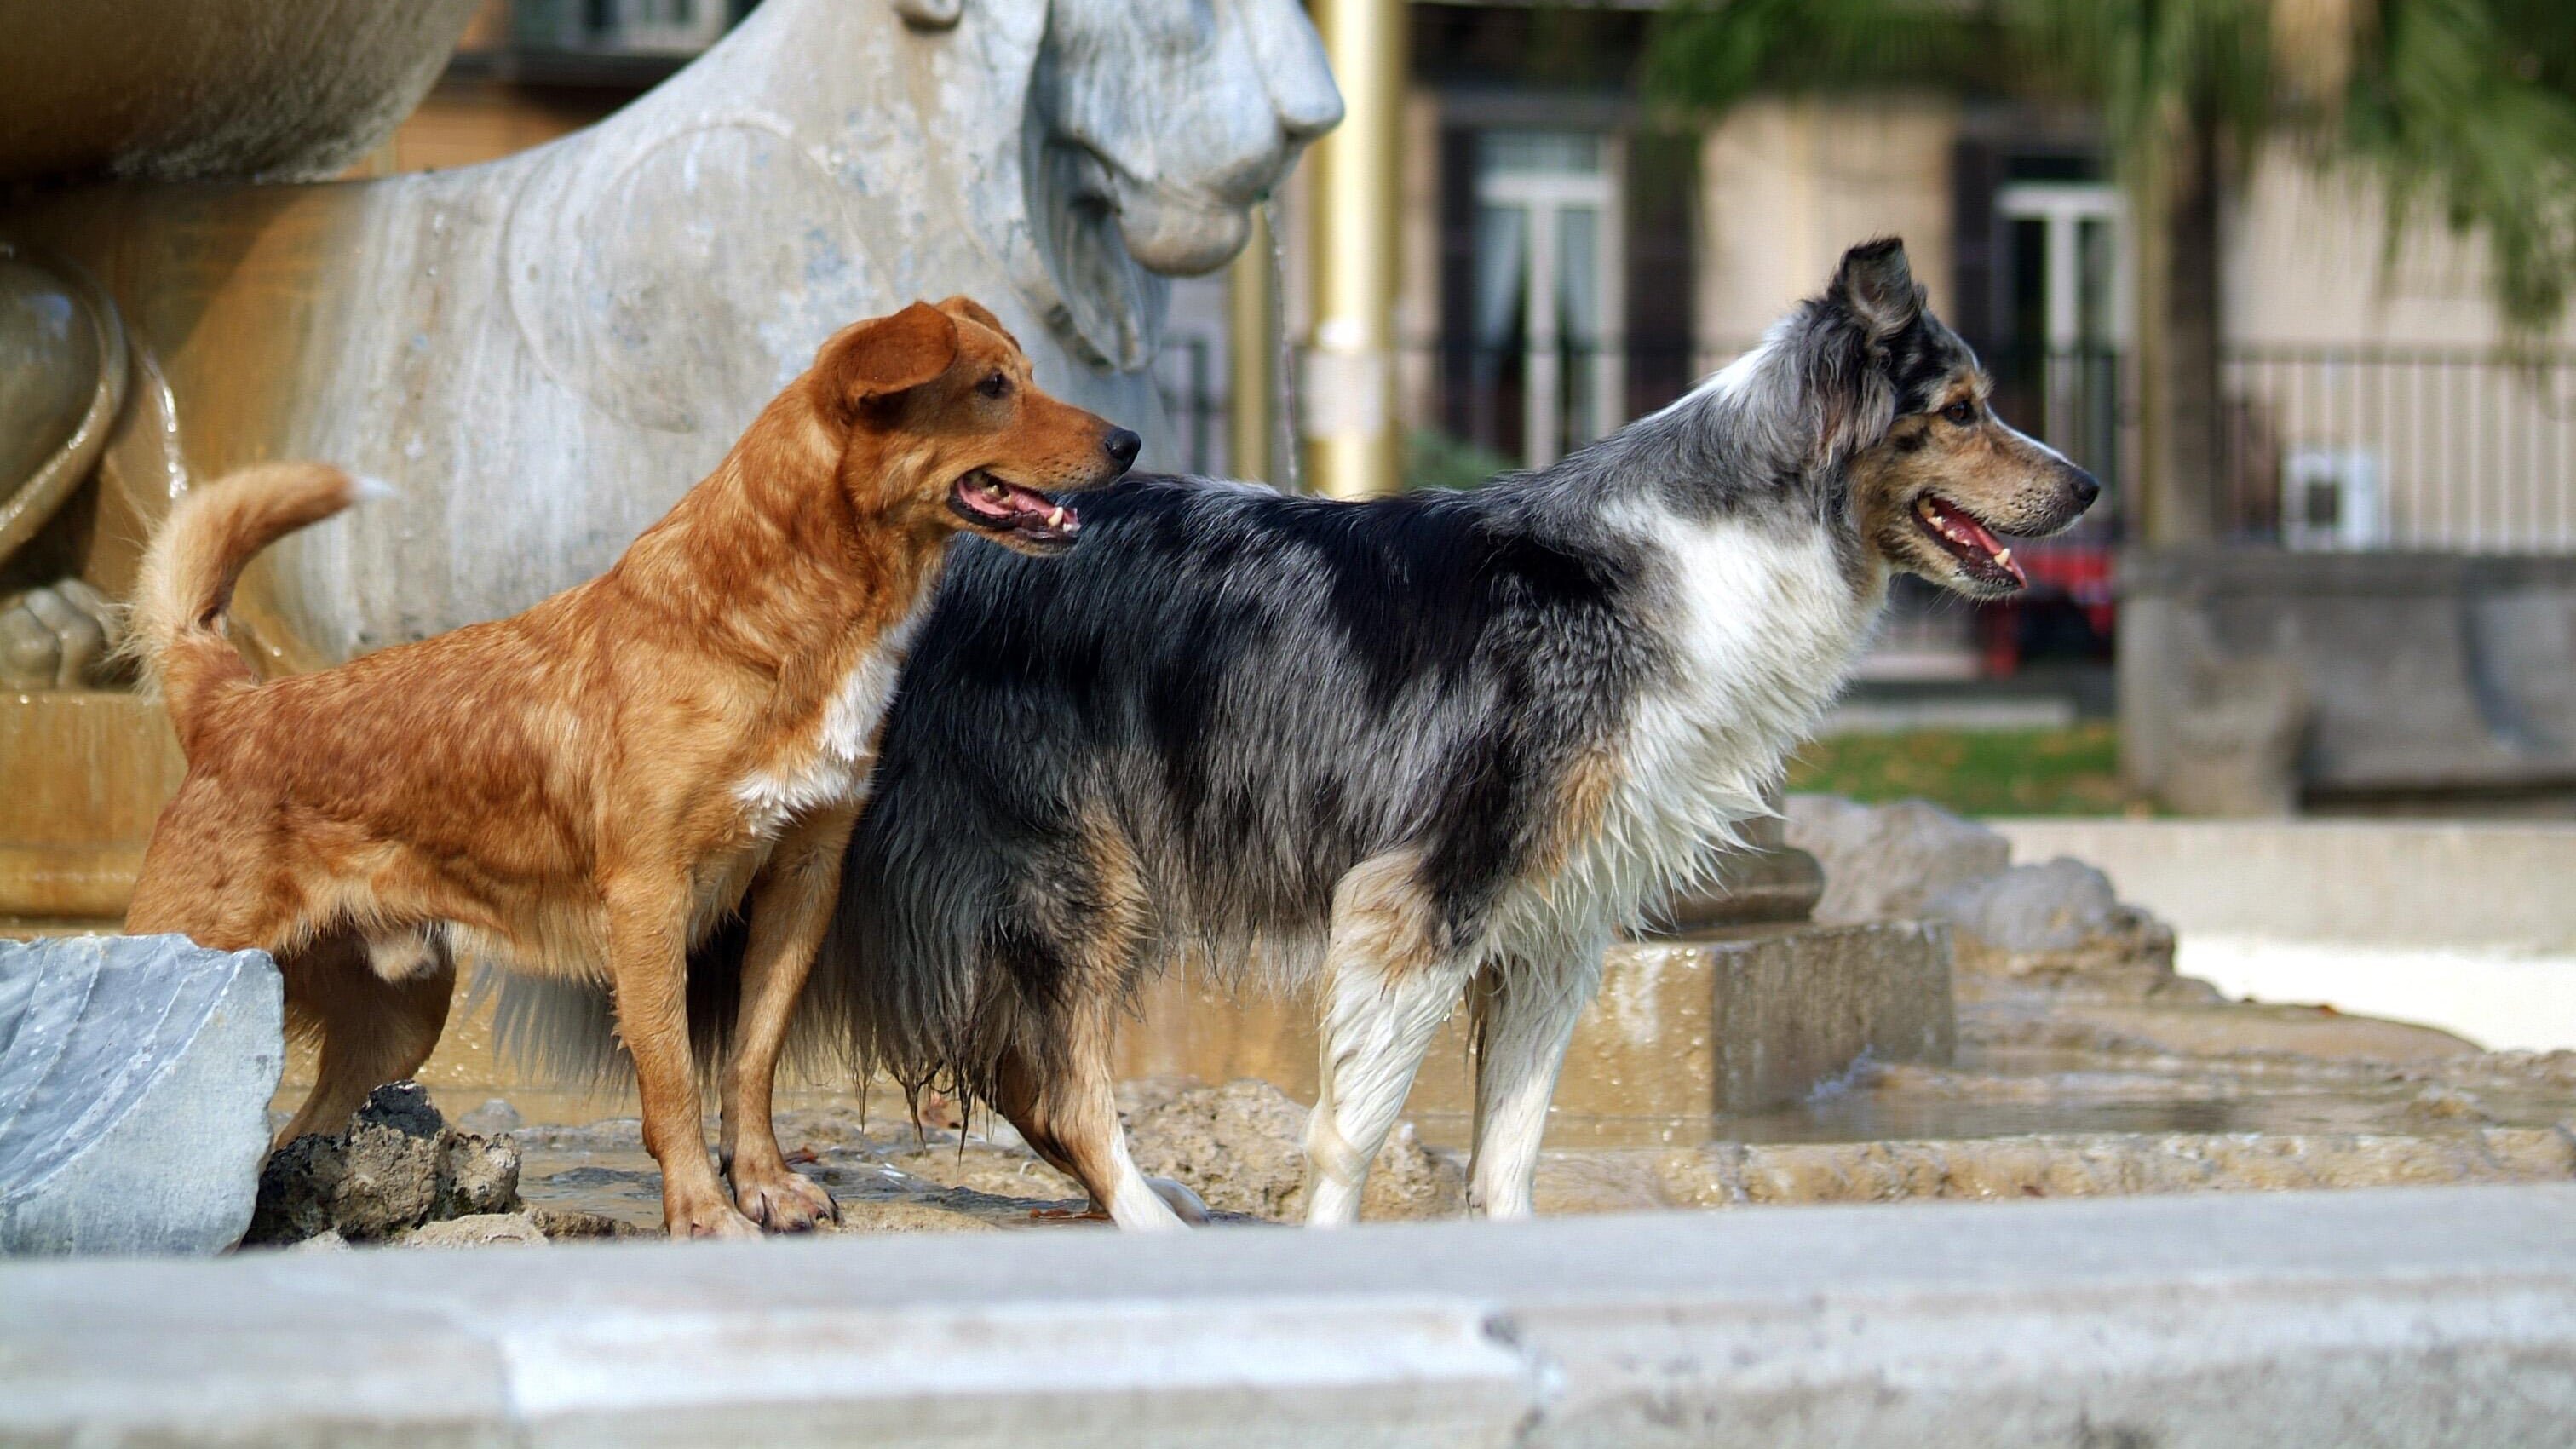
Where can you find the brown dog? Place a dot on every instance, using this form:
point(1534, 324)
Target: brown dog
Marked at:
point(585, 788)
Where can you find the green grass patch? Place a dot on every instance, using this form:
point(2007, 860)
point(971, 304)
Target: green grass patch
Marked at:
point(2070, 771)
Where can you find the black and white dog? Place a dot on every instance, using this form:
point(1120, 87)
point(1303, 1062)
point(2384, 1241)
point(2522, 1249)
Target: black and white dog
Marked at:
point(1409, 749)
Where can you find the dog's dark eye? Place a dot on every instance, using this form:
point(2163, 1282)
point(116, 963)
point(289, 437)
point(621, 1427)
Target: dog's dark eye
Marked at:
point(995, 386)
point(1960, 413)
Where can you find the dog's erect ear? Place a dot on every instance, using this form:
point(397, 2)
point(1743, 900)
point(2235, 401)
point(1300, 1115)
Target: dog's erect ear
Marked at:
point(887, 355)
point(967, 309)
point(1877, 287)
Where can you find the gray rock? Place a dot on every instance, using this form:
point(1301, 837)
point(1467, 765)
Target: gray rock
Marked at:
point(2059, 922)
point(396, 1167)
point(1882, 862)
point(1241, 1147)
point(493, 1118)
point(135, 1073)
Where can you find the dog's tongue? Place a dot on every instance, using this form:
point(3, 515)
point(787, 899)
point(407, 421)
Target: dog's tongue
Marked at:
point(1965, 530)
point(1014, 503)
point(1962, 526)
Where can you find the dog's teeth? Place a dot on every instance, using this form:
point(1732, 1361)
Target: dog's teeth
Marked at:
point(2004, 557)
point(1056, 519)
point(993, 489)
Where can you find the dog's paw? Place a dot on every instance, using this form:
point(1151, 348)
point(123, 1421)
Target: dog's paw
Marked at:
point(708, 1220)
point(784, 1200)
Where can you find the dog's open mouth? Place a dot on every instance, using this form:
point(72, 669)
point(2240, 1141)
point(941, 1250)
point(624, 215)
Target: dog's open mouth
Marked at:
point(1975, 547)
point(1023, 514)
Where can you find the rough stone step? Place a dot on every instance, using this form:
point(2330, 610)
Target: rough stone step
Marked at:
point(2048, 1165)
point(2437, 1317)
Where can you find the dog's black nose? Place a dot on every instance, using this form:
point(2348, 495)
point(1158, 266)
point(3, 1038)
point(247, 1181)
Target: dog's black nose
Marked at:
point(1123, 446)
point(2087, 488)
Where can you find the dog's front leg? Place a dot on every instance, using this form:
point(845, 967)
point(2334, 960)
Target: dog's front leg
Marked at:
point(648, 965)
point(791, 905)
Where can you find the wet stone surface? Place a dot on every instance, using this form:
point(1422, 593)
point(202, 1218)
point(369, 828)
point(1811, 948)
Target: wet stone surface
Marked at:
point(2054, 1095)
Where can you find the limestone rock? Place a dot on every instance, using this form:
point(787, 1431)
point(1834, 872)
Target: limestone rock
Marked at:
point(2106, 1165)
point(135, 1073)
point(2182, 1026)
point(899, 1215)
point(2441, 1106)
point(398, 1165)
point(1882, 862)
point(476, 1175)
point(2058, 923)
point(476, 1230)
point(1242, 1148)
point(991, 1170)
point(563, 1224)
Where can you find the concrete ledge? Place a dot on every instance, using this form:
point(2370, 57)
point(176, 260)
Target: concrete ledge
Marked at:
point(2499, 886)
point(2417, 672)
point(2420, 1316)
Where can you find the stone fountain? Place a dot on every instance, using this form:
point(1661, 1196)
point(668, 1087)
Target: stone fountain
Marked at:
point(542, 352)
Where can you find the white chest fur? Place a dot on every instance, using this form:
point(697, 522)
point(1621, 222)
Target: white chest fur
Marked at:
point(830, 765)
point(1763, 625)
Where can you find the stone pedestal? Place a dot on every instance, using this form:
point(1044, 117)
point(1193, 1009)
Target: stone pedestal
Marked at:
point(1682, 1030)
point(83, 774)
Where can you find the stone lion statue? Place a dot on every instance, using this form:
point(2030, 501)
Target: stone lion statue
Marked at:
point(542, 352)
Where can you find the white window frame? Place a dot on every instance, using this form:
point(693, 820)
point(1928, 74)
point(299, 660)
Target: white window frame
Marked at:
point(1544, 197)
point(2061, 208)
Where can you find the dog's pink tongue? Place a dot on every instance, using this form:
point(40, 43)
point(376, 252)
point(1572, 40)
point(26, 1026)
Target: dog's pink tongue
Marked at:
point(1027, 502)
point(1969, 531)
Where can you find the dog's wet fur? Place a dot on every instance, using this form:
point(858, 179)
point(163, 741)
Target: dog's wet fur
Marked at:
point(1399, 750)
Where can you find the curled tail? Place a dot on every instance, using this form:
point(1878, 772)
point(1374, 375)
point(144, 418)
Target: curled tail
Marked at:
point(196, 557)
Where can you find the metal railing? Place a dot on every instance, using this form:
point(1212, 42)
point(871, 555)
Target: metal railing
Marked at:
point(2441, 450)
point(2340, 448)
point(1184, 374)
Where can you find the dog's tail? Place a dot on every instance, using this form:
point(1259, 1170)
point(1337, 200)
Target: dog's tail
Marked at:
point(196, 557)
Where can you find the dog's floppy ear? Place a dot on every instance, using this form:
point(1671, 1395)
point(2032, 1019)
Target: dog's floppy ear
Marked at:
point(968, 309)
point(1877, 287)
point(887, 355)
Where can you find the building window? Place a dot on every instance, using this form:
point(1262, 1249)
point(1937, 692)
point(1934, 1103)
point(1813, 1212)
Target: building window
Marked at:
point(2068, 273)
point(1548, 291)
